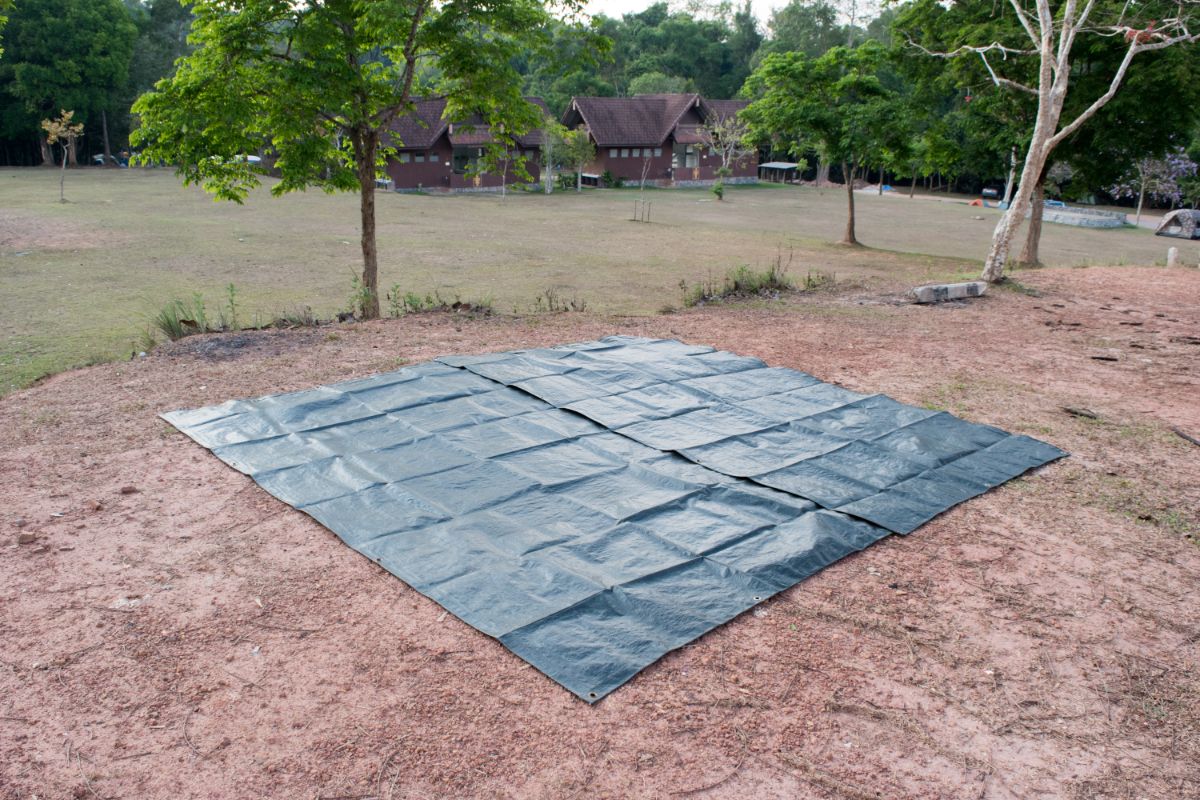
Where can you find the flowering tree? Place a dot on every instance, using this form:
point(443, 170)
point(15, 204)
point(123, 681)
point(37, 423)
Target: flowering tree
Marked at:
point(1162, 179)
point(1038, 54)
point(62, 131)
point(728, 137)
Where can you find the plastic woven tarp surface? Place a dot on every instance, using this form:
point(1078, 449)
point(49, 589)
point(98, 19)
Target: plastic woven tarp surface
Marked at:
point(866, 455)
point(589, 505)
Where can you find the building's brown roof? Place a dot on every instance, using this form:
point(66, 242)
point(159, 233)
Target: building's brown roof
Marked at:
point(724, 108)
point(421, 129)
point(647, 119)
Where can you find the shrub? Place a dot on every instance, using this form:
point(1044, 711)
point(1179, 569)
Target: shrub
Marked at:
point(360, 296)
point(296, 318)
point(610, 181)
point(745, 281)
point(401, 303)
point(230, 323)
point(180, 318)
point(550, 301)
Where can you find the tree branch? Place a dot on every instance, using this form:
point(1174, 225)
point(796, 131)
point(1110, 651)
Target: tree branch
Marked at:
point(411, 58)
point(1134, 48)
point(1025, 22)
point(996, 79)
point(1003, 49)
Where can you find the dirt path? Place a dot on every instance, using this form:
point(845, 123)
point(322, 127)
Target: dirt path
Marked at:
point(175, 632)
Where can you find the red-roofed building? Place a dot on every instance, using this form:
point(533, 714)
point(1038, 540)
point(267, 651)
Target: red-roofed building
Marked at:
point(433, 153)
point(659, 135)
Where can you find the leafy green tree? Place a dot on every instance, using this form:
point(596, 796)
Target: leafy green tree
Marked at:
point(162, 38)
point(803, 26)
point(674, 43)
point(657, 83)
point(565, 149)
point(63, 54)
point(5, 7)
point(744, 41)
point(577, 152)
point(705, 48)
point(316, 85)
point(577, 63)
point(834, 104)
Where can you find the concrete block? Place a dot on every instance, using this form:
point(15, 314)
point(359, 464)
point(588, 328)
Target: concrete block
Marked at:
point(941, 292)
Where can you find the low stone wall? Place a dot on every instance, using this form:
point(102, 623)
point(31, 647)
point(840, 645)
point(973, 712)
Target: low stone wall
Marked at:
point(512, 188)
point(698, 184)
point(1084, 217)
point(663, 183)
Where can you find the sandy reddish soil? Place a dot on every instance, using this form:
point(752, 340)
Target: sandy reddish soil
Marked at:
point(190, 636)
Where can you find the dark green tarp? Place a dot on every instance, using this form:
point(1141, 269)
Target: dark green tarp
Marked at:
point(598, 505)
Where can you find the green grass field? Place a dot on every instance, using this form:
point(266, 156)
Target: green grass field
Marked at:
point(80, 281)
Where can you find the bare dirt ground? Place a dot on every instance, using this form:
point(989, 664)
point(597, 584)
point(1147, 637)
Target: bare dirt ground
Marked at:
point(173, 631)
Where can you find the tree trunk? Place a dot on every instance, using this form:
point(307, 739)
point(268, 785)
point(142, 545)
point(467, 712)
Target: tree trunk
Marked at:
point(849, 238)
point(912, 187)
point(579, 180)
point(47, 152)
point(365, 146)
point(822, 173)
point(73, 151)
point(1033, 236)
point(62, 178)
point(1050, 103)
point(1012, 173)
point(881, 174)
point(1137, 220)
point(108, 159)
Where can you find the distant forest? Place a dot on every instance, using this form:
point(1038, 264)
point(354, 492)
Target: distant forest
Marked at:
point(95, 57)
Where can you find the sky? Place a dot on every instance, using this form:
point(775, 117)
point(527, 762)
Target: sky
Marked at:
point(762, 8)
point(615, 8)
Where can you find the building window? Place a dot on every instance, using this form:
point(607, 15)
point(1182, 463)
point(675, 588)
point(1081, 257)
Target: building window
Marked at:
point(466, 159)
point(690, 157)
point(657, 152)
point(624, 152)
point(405, 158)
point(637, 153)
point(433, 157)
point(419, 158)
point(613, 152)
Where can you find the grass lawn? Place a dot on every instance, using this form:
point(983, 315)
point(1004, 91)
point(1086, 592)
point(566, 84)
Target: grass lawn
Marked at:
point(80, 281)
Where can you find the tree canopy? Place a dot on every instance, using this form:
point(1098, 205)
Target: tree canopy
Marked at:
point(835, 105)
point(63, 54)
point(316, 85)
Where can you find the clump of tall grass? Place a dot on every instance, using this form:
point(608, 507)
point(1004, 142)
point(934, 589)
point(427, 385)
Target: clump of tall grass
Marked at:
point(745, 281)
point(180, 318)
point(401, 303)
